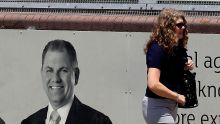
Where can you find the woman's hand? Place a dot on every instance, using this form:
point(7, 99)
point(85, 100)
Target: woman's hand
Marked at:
point(181, 100)
point(189, 65)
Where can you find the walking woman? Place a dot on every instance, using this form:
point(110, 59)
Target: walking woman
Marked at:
point(166, 60)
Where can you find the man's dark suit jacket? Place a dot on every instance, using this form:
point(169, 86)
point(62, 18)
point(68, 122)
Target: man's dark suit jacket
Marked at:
point(79, 114)
point(1, 121)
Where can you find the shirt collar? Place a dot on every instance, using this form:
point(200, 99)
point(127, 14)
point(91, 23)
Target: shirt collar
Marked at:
point(63, 111)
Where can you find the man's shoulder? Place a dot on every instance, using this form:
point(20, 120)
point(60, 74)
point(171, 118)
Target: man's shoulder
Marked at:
point(2, 121)
point(35, 117)
point(92, 115)
point(91, 111)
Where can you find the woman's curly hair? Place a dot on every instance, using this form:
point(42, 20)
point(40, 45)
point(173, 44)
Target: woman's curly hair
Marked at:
point(164, 30)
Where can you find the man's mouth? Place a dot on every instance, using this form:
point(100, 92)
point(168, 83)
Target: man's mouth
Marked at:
point(56, 87)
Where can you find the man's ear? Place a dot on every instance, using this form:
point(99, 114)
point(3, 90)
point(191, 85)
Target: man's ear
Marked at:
point(77, 72)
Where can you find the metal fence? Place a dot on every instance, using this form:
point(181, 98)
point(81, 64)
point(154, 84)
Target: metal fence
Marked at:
point(192, 2)
point(184, 2)
point(112, 7)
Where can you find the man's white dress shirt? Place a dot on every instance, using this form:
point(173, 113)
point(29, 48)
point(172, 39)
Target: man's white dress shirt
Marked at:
point(63, 111)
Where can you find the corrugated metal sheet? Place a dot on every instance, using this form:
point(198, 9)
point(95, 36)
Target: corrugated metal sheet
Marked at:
point(75, 1)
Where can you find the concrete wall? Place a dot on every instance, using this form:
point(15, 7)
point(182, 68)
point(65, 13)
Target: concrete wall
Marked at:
point(113, 74)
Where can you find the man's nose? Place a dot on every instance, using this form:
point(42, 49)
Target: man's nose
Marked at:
point(56, 78)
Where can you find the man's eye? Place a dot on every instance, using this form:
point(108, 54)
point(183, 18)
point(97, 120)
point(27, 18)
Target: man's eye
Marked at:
point(48, 71)
point(64, 70)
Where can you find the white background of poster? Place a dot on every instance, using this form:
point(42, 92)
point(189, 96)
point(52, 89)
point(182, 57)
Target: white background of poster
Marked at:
point(113, 73)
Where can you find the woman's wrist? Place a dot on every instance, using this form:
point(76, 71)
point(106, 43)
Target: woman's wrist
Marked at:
point(177, 97)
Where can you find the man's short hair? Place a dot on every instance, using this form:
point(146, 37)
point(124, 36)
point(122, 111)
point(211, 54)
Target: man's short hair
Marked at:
point(60, 46)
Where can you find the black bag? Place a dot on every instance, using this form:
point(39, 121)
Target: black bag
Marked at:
point(188, 89)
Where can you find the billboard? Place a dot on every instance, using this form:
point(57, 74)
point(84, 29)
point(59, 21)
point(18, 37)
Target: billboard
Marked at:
point(113, 74)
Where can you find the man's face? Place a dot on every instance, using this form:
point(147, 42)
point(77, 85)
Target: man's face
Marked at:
point(58, 78)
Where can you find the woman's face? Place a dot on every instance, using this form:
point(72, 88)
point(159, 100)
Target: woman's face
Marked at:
point(179, 28)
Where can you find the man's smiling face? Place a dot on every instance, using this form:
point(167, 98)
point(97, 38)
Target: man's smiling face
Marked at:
point(58, 77)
